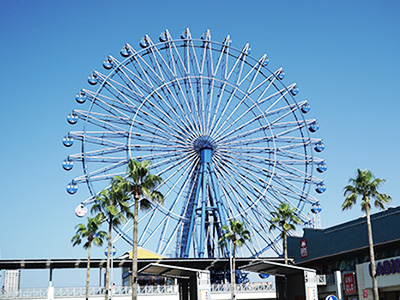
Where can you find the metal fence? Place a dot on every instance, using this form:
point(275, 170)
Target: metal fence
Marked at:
point(247, 287)
point(77, 292)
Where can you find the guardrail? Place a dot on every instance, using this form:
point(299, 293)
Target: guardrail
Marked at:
point(77, 292)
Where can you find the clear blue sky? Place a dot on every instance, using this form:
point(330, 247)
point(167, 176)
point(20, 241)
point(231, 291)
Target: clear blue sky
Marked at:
point(343, 54)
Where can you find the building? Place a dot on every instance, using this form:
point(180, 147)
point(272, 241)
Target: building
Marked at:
point(344, 248)
point(11, 281)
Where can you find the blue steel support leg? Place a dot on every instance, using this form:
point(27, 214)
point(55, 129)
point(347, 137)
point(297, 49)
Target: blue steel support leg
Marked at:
point(194, 213)
point(220, 208)
point(203, 213)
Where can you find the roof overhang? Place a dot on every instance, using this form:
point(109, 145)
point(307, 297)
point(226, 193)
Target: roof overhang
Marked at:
point(169, 271)
point(273, 268)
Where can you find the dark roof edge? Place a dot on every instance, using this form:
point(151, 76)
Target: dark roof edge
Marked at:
point(344, 252)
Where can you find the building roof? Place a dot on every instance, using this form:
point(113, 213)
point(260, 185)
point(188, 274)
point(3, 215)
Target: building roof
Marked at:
point(196, 263)
point(347, 237)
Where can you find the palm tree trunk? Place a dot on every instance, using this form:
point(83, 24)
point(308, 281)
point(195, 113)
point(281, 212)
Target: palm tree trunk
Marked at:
point(372, 255)
point(134, 250)
point(107, 283)
point(233, 273)
point(285, 247)
point(88, 271)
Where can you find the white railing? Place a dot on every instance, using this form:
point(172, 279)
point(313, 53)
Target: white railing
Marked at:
point(247, 287)
point(78, 292)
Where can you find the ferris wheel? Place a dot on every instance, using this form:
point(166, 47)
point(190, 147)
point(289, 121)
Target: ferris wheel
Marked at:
point(220, 127)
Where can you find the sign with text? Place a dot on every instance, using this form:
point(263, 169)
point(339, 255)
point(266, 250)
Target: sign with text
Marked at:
point(349, 285)
point(303, 248)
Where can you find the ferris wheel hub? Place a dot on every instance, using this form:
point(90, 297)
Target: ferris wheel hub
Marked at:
point(204, 142)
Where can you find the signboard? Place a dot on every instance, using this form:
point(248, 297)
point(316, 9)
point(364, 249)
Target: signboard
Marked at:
point(331, 297)
point(303, 248)
point(349, 285)
point(387, 273)
point(365, 293)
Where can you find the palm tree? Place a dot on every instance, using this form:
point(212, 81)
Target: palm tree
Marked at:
point(284, 218)
point(112, 206)
point(142, 187)
point(236, 234)
point(93, 235)
point(366, 186)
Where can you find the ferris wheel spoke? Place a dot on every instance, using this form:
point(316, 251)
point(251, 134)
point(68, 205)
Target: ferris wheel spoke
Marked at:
point(254, 71)
point(113, 105)
point(276, 98)
point(151, 134)
point(104, 123)
point(217, 107)
point(172, 207)
point(100, 152)
point(153, 121)
point(93, 137)
point(125, 89)
point(100, 177)
point(218, 126)
point(299, 126)
point(260, 179)
point(209, 96)
point(133, 82)
point(102, 117)
point(283, 109)
point(265, 85)
point(150, 216)
point(165, 220)
point(191, 124)
point(170, 111)
point(283, 196)
point(239, 128)
point(255, 229)
point(170, 238)
point(141, 71)
point(237, 165)
point(221, 61)
point(284, 183)
point(239, 63)
point(248, 191)
point(294, 155)
point(185, 96)
point(244, 155)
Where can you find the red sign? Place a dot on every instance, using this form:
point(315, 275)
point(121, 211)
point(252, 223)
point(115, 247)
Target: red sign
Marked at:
point(349, 285)
point(365, 293)
point(303, 248)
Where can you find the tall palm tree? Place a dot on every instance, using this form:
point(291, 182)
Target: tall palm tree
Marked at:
point(236, 234)
point(284, 218)
point(112, 206)
point(93, 235)
point(143, 186)
point(366, 186)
